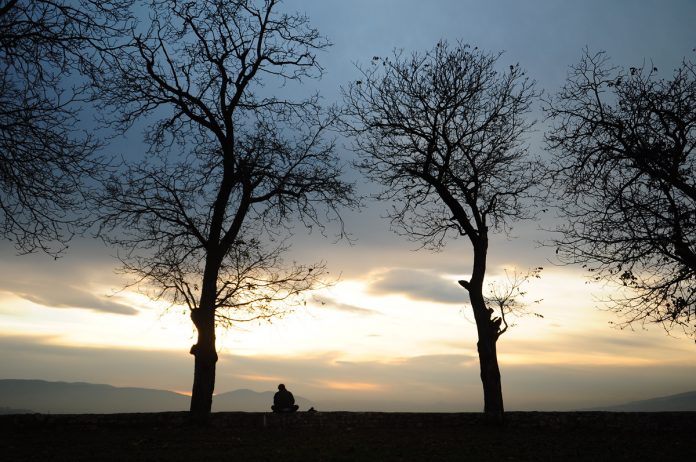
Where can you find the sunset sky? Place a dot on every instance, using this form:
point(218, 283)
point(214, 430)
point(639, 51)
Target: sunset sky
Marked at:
point(396, 327)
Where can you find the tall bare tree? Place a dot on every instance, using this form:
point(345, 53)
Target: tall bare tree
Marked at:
point(44, 158)
point(442, 131)
point(625, 167)
point(234, 162)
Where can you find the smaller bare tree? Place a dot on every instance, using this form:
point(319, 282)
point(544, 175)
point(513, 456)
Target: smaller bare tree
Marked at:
point(507, 298)
point(442, 131)
point(624, 173)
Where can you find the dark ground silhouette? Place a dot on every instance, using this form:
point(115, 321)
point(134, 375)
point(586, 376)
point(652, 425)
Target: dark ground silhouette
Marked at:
point(346, 436)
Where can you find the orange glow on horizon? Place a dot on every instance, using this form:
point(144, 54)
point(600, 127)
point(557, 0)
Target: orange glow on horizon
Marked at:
point(353, 386)
point(260, 378)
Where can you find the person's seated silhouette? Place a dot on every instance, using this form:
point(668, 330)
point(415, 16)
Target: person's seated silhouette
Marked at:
point(283, 401)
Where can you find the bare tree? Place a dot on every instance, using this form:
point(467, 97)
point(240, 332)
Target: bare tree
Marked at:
point(233, 162)
point(442, 131)
point(625, 171)
point(44, 158)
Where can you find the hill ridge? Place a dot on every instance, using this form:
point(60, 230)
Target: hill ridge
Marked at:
point(685, 401)
point(59, 397)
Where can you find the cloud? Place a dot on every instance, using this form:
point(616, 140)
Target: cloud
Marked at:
point(65, 283)
point(327, 302)
point(65, 296)
point(620, 348)
point(72, 297)
point(418, 285)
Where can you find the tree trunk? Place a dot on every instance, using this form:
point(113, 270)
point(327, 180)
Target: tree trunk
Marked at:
point(488, 358)
point(203, 317)
point(204, 350)
point(206, 358)
point(487, 336)
point(490, 378)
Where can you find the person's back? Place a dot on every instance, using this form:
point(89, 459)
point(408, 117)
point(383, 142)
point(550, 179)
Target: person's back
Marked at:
point(283, 400)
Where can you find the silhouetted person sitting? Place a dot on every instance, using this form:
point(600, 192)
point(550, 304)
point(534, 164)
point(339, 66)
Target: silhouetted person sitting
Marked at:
point(283, 401)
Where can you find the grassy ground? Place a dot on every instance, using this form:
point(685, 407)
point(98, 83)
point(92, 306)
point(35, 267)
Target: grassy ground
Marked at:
point(358, 438)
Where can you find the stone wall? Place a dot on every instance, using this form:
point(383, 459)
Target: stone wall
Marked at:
point(635, 421)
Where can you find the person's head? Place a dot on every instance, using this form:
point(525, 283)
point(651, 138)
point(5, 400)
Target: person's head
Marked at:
point(281, 387)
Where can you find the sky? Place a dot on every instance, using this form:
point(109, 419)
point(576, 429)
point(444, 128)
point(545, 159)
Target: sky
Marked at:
point(395, 332)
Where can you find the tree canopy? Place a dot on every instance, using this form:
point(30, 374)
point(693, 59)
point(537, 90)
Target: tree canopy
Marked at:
point(45, 158)
point(624, 172)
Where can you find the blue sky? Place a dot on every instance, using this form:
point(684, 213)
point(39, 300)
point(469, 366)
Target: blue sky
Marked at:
point(396, 326)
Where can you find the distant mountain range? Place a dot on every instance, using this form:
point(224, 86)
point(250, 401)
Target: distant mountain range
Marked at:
point(681, 402)
point(26, 396)
point(29, 396)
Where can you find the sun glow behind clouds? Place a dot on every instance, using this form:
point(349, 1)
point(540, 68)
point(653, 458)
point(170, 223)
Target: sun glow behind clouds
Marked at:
point(348, 319)
point(355, 341)
point(358, 323)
